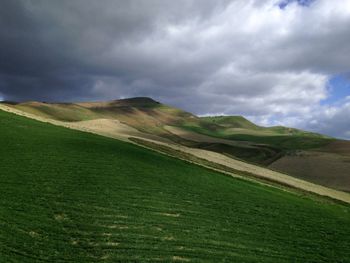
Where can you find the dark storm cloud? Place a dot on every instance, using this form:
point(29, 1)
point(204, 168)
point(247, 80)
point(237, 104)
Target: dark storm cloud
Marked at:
point(57, 49)
point(43, 42)
point(209, 57)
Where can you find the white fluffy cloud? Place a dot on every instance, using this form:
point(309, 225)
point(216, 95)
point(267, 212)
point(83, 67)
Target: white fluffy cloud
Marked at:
point(333, 120)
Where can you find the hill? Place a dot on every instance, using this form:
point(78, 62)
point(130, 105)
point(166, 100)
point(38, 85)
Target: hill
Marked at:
point(70, 196)
point(232, 122)
point(287, 150)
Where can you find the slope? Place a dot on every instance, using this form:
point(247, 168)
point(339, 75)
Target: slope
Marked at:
point(287, 150)
point(216, 161)
point(231, 122)
point(149, 116)
point(69, 196)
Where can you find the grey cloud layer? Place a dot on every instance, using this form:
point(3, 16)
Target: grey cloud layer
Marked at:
point(209, 57)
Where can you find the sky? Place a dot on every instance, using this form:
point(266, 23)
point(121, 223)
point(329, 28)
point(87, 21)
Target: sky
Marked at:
point(274, 62)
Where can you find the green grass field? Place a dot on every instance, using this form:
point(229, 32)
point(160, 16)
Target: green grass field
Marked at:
point(69, 196)
point(297, 141)
point(147, 115)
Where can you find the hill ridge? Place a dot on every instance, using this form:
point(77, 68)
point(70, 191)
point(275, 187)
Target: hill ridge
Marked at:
point(222, 160)
point(287, 150)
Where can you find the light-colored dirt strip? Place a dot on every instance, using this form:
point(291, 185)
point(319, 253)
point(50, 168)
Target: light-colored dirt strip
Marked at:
point(118, 130)
point(106, 127)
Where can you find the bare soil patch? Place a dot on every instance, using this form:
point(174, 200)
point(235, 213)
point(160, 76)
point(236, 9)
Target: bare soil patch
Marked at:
point(328, 169)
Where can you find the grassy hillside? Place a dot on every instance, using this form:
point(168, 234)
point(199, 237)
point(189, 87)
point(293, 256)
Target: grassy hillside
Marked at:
point(231, 122)
point(238, 128)
point(234, 136)
point(68, 196)
point(149, 116)
point(308, 156)
point(264, 144)
point(240, 125)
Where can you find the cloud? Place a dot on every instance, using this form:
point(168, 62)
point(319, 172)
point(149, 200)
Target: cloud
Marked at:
point(245, 57)
point(332, 120)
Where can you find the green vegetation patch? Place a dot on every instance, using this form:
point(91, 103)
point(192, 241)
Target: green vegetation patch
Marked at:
point(69, 196)
point(231, 122)
point(294, 141)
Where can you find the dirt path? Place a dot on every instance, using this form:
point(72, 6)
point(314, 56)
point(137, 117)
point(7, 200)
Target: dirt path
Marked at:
point(118, 130)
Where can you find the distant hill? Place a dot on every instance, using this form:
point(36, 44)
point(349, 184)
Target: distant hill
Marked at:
point(277, 147)
point(231, 122)
point(149, 115)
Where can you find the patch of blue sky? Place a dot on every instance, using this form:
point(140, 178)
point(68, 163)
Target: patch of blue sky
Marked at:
point(284, 3)
point(338, 88)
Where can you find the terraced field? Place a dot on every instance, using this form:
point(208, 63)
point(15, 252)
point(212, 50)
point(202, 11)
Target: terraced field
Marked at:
point(70, 196)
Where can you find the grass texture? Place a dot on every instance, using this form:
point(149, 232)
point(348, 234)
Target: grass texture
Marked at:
point(69, 196)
